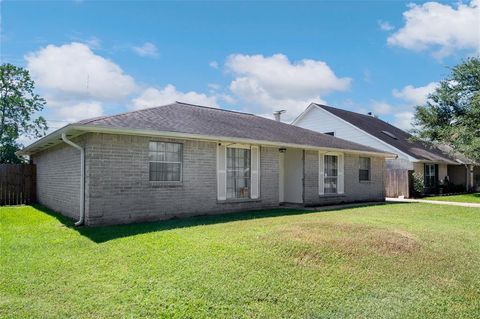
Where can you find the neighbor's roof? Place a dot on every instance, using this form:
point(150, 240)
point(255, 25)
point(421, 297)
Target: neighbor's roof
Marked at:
point(392, 135)
point(193, 121)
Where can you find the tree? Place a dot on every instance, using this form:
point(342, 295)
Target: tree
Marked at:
point(452, 113)
point(18, 107)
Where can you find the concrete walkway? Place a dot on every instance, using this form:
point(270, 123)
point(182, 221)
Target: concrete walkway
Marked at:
point(408, 200)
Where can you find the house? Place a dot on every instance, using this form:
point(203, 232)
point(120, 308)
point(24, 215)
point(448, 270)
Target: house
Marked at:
point(430, 162)
point(182, 159)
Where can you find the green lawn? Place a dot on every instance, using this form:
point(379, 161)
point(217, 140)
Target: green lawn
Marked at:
point(386, 261)
point(465, 198)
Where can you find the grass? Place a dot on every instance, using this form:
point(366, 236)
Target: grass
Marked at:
point(385, 261)
point(464, 198)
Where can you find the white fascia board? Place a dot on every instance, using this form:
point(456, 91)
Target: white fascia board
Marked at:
point(211, 138)
point(305, 112)
point(55, 136)
point(438, 162)
point(49, 138)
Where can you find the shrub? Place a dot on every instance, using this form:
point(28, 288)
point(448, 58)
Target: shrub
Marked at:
point(418, 186)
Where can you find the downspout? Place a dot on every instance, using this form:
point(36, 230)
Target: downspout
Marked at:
point(81, 220)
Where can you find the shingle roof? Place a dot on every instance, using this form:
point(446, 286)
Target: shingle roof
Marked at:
point(206, 121)
point(392, 135)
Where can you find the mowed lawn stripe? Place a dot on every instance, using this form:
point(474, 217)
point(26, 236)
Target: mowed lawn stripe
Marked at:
point(389, 261)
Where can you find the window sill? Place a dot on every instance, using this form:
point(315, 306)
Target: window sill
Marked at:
point(365, 182)
point(159, 184)
point(331, 195)
point(238, 200)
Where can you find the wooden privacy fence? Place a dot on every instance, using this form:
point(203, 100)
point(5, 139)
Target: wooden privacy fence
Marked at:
point(397, 183)
point(17, 184)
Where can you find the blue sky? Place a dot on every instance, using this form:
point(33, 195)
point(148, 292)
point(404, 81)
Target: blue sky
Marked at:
point(96, 58)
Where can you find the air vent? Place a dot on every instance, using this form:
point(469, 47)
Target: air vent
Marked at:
point(390, 135)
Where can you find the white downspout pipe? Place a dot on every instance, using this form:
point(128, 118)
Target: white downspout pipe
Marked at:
point(82, 179)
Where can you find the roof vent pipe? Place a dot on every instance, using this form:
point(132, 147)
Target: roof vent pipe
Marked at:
point(278, 114)
point(81, 220)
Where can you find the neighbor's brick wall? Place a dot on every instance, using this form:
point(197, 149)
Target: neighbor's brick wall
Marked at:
point(373, 190)
point(58, 178)
point(119, 190)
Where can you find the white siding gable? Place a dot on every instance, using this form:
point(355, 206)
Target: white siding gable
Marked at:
point(320, 120)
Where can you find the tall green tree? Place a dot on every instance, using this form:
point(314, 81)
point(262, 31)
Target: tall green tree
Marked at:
point(19, 105)
point(452, 113)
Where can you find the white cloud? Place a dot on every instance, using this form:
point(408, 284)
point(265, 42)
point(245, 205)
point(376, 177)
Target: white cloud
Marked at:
point(259, 100)
point(415, 95)
point(80, 111)
point(270, 83)
point(74, 70)
point(148, 49)
point(227, 98)
point(214, 64)
point(440, 27)
point(213, 86)
point(380, 107)
point(403, 120)
point(385, 25)
point(93, 42)
point(152, 97)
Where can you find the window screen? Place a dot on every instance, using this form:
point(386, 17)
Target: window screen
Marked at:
point(331, 174)
point(165, 161)
point(238, 173)
point(364, 169)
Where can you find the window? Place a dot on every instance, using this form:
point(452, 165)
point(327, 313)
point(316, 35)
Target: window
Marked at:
point(331, 174)
point(165, 161)
point(238, 173)
point(364, 169)
point(430, 178)
point(330, 133)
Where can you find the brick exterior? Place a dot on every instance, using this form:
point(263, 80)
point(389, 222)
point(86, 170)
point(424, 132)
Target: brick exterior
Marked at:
point(58, 178)
point(118, 190)
point(355, 191)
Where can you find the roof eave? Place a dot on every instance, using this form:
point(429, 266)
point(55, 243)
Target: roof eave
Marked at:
point(46, 141)
point(105, 129)
point(54, 137)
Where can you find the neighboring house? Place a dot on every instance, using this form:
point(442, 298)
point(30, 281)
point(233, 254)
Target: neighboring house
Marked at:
point(182, 159)
point(430, 162)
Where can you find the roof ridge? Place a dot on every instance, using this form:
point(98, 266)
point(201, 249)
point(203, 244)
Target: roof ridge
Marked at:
point(213, 108)
point(123, 113)
point(90, 120)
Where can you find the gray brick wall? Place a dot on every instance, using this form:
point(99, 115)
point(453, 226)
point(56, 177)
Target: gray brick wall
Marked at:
point(119, 190)
point(355, 190)
point(58, 179)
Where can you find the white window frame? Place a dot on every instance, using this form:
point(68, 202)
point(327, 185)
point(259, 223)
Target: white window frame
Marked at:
point(254, 187)
point(249, 170)
point(369, 168)
point(167, 162)
point(340, 173)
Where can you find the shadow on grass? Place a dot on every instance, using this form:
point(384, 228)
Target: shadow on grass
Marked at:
point(101, 234)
